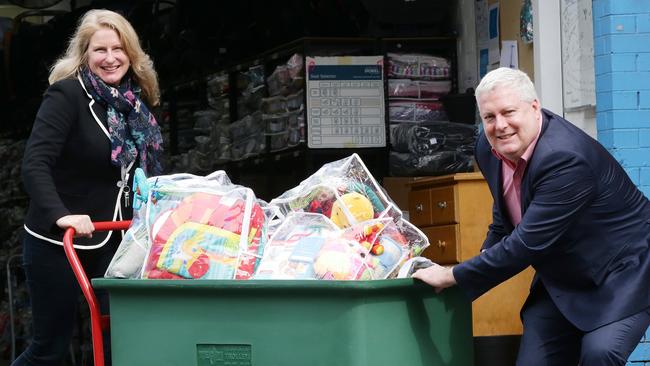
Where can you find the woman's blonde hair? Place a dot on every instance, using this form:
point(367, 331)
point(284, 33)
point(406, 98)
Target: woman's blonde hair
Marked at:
point(76, 54)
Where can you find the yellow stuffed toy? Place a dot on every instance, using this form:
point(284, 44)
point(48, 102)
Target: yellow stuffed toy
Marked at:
point(357, 204)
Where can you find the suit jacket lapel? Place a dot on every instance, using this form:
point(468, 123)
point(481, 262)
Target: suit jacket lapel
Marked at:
point(494, 181)
point(99, 113)
point(525, 194)
point(505, 217)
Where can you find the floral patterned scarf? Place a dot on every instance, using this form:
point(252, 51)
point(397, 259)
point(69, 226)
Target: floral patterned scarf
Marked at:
point(133, 129)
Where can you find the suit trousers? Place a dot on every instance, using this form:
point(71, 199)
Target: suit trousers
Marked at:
point(550, 339)
point(55, 294)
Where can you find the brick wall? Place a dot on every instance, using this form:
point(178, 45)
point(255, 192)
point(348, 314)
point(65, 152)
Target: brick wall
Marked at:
point(641, 354)
point(622, 65)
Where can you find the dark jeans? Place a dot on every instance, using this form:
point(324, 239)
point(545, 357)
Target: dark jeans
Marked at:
point(54, 294)
point(550, 339)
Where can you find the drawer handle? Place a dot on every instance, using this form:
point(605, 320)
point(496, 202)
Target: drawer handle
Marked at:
point(419, 207)
point(441, 243)
point(442, 204)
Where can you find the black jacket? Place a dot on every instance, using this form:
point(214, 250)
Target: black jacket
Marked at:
point(67, 167)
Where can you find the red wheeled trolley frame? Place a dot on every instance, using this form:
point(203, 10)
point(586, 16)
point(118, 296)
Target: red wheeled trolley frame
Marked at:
point(98, 322)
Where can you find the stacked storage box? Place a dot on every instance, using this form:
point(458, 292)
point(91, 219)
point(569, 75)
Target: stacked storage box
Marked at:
point(283, 109)
point(423, 142)
point(247, 133)
point(203, 136)
point(217, 94)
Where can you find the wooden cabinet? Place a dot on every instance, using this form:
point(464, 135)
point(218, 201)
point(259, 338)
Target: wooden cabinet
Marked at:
point(454, 211)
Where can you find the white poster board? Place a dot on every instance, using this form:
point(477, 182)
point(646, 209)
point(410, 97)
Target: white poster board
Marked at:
point(345, 102)
point(578, 54)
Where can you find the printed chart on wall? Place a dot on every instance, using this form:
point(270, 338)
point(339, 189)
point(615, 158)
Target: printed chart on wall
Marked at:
point(345, 102)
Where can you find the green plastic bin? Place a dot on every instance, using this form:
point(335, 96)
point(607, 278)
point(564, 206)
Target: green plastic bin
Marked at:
point(287, 323)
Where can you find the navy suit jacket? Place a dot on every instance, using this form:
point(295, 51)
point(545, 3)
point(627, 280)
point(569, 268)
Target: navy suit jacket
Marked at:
point(585, 229)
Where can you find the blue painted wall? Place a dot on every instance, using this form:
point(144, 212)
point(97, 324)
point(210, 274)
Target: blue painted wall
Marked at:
point(622, 64)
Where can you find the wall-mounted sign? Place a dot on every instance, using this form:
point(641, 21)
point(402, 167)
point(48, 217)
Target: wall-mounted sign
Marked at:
point(345, 102)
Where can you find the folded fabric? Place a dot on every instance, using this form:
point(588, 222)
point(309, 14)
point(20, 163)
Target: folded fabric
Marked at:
point(437, 163)
point(405, 110)
point(428, 137)
point(418, 89)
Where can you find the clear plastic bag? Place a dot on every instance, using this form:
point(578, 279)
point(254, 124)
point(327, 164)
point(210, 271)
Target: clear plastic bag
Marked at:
point(295, 66)
point(276, 122)
point(295, 136)
point(274, 105)
point(129, 257)
point(343, 190)
point(251, 78)
point(296, 101)
point(204, 120)
point(250, 125)
point(200, 228)
point(217, 85)
point(278, 141)
point(250, 146)
point(278, 82)
point(384, 247)
point(250, 100)
point(291, 250)
point(405, 110)
point(418, 66)
point(220, 104)
point(310, 246)
point(345, 193)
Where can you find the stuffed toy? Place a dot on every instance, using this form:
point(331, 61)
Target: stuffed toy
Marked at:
point(358, 205)
point(340, 259)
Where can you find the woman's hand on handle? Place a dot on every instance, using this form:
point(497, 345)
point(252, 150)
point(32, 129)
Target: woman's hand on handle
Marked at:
point(80, 223)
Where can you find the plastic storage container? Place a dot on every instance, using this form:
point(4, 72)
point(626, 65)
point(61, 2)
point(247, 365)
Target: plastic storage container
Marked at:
point(287, 323)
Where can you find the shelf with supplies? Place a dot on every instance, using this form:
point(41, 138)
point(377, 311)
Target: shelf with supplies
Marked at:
point(250, 117)
point(431, 127)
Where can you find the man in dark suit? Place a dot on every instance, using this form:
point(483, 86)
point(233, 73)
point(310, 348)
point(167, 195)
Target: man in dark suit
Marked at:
point(563, 205)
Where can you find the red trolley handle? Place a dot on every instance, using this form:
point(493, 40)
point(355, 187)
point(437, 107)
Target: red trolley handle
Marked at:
point(98, 322)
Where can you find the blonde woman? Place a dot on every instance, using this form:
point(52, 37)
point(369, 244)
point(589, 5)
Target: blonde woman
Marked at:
point(92, 130)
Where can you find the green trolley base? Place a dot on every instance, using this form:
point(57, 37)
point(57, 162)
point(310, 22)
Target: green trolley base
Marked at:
point(287, 323)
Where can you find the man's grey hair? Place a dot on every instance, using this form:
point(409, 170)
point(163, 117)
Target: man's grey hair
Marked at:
point(507, 77)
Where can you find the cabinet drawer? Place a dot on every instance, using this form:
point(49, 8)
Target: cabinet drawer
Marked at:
point(420, 207)
point(433, 206)
point(443, 208)
point(443, 244)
